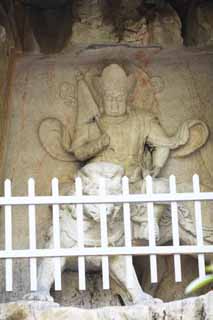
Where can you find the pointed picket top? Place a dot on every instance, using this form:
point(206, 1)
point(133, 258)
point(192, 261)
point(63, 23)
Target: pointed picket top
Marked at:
point(172, 183)
point(7, 187)
point(54, 180)
point(148, 178)
point(31, 180)
point(125, 185)
point(78, 185)
point(55, 188)
point(196, 183)
point(31, 186)
point(125, 179)
point(149, 188)
point(102, 186)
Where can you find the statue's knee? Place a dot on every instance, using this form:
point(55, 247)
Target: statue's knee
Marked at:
point(144, 231)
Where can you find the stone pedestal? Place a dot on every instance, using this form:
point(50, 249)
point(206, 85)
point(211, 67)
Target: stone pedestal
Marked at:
point(193, 308)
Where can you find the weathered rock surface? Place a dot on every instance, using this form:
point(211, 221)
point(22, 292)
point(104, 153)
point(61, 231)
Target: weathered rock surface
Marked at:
point(158, 27)
point(4, 62)
point(200, 308)
point(165, 28)
point(89, 25)
point(199, 30)
point(92, 24)
point(93, 296)
point(3, 58)
point(166, 278)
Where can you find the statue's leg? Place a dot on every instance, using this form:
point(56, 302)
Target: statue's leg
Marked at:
point(45, 280)
point(46, 271)
point(159, 186)
point(144, 223)
point(118, 273)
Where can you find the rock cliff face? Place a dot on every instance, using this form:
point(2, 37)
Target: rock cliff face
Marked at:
point(199, 24)
point(157, 26)
point(195, 308)
point(57, 25)
point(4, 63)
point(175, 84)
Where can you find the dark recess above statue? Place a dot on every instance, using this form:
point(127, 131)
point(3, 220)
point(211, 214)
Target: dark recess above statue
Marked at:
point(47, 4)
point(47, 25)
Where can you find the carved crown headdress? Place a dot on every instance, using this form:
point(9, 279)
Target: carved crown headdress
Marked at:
point(113, 76)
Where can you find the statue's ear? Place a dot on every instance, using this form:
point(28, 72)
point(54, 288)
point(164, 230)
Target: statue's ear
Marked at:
point(131, 83)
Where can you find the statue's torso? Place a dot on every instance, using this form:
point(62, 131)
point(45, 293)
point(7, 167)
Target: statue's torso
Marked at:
point(127, 138)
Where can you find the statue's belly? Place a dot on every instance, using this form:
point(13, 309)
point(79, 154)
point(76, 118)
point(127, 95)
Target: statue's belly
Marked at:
point(125, 148)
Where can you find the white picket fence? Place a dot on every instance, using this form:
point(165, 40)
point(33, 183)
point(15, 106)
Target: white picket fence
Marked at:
point(104, 251)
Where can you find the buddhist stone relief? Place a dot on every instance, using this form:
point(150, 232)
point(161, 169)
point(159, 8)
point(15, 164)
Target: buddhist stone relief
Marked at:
point(116, 137)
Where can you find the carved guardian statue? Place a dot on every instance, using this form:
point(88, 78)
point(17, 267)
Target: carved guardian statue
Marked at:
point(114, 139)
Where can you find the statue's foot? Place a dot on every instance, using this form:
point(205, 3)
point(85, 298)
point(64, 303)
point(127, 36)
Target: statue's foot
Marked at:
point(146, 298)
point(39, 296)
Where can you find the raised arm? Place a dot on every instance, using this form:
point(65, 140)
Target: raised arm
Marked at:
point(88, 142)
point(158, 139)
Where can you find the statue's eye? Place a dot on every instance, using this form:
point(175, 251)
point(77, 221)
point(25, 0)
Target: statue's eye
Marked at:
point(108, 98)
point(120, 98)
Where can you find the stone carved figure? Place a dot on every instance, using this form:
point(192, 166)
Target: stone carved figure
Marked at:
point(118, 141)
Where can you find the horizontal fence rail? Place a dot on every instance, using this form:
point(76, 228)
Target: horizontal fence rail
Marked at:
point(131, 198)
point(104, 251)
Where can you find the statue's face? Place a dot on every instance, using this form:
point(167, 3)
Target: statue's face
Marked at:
point(115, 102)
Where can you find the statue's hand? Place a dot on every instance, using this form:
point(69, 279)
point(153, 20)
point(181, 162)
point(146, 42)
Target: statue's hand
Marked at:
point(92, 148)
point(105, 140)
point(155, 172)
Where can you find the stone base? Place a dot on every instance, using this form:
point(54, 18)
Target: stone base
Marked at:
point(199, 308)
point(93, 297)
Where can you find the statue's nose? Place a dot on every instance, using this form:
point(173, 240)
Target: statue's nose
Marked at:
point(114, 104)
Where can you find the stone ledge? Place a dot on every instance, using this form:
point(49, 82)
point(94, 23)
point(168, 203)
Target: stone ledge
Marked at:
point(198, 308)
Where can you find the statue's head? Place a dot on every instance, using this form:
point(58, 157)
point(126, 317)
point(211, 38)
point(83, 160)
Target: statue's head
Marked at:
point(91, 175)
point(115, 90)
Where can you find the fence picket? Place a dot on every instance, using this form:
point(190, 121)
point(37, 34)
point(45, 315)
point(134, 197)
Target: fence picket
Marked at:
point(104, 236)
point(151, 226)
point(80, 227)
point(8, 237)
point(198, 225)
point(175, 230)
point(32, 235)
point(127, 233)
point(56, 235)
